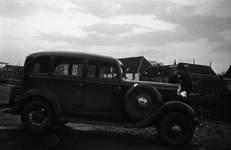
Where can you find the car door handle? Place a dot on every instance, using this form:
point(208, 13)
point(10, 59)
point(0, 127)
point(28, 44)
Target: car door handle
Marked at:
point(117, 88)
point(79, 84)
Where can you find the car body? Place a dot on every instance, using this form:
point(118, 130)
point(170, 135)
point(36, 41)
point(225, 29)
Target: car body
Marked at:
point(90, 88)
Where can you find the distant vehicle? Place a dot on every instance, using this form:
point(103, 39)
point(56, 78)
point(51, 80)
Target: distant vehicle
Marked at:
point(60, 87)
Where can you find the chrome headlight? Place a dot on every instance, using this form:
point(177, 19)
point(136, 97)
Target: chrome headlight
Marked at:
point(183, 94)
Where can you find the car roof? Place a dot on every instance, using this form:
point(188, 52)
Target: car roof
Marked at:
point(71, 53)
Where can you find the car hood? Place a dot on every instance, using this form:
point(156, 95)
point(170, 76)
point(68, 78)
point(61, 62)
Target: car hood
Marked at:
point(157, 85)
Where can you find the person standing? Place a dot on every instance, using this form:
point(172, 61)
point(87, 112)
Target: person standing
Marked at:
point(183, 80)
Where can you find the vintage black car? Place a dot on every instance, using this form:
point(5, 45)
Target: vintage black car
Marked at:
point(60, 87)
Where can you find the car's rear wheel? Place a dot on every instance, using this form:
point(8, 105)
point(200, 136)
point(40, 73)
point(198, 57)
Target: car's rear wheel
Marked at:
point(141, 103)
point(176, 129)
point(37, 117)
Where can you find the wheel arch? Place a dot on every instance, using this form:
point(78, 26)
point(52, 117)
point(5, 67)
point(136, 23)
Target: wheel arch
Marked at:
point(170, 107)
point(43, 95)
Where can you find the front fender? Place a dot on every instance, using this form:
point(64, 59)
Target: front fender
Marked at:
point(176, 106)
point(173, 106)
point(17, 108)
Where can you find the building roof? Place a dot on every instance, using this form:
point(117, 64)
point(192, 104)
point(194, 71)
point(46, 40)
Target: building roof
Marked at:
point(135, 64)
point(228, 73)
point(195, 69)
point(191, 69)
point(4, 63)
point(156, 71)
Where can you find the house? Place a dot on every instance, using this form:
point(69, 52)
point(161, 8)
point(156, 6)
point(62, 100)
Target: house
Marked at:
point(2, 65)
point(156, 74)
point(12, 72)
point(135, 66)
point(226, 88)
point(204, 79)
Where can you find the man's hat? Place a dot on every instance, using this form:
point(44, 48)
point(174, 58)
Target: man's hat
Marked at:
point(180, 66)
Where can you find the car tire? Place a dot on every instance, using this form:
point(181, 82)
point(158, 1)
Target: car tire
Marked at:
point(141, 103)
point(176, 129)
point(37, 117)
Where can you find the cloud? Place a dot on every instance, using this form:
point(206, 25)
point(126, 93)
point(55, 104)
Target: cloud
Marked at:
point(104, 28)
point(90, 40)
point(162, 30)
point(226, 35)
point(102, 34)
point(16, 9)
point(147, 21)
point(218, 8)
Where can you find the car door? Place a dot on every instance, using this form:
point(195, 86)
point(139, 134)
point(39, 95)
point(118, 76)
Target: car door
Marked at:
point(67, 83)
point(103, 91)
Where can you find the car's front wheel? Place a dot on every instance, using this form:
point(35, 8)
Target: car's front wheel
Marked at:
point(176, 129)
point(37, 117)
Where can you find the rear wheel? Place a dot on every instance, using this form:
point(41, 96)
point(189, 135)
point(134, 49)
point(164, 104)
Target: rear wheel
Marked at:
point(37, 117)
point(176, 129)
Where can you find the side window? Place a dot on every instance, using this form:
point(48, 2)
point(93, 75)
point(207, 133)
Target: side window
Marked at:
point(91, 71)
point(107, 72)
point(102, 70)
point(68, 66)
point(41, 65)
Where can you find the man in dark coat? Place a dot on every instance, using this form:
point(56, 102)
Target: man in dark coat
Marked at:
point(183, 80)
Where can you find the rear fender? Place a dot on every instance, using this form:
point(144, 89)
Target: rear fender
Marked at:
point(27, 96)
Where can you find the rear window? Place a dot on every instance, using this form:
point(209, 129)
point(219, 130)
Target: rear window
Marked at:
point(41, 65)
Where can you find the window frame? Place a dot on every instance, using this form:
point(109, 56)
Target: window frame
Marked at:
point(98, 65)
point(35, 62)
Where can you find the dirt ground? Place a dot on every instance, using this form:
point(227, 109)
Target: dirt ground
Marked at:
point(216, 135)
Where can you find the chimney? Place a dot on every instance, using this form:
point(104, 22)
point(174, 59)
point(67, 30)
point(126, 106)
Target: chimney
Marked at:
point(210, 64)
point(193, 61)
point(174, 61)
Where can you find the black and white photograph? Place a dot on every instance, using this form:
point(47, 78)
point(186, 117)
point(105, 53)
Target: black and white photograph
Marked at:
point(115, 74)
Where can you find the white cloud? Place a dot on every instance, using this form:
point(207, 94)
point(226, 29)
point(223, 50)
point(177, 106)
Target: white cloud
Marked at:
point(219, 8)
point(226, 35)
point(145, 21)
point(190, 2)
point(161, 30)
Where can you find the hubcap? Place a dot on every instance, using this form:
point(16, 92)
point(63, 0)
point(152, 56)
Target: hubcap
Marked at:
point(142, 101)
point(176, 130)
point(38, 116)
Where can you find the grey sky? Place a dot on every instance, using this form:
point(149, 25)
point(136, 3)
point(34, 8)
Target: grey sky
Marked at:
point(159, 30)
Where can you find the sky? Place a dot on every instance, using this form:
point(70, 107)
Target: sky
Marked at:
point(159, 30)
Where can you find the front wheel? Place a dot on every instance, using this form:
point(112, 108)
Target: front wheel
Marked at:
point(176, 129)
point(37, 117)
